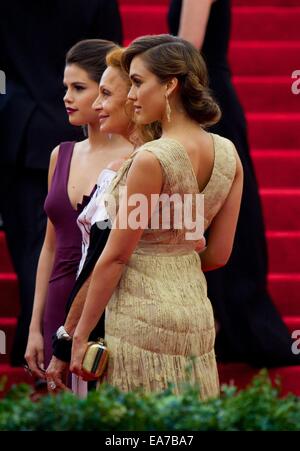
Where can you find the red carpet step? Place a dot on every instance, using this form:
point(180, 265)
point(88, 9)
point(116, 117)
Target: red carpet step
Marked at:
point(277, 168)
point(285, 291)
point(281, 208)
point(257, 94)
point(9, 296)
point(274, 131)
point(269, 23)
point(284, 251)
point(136, 20)
point(257, 58)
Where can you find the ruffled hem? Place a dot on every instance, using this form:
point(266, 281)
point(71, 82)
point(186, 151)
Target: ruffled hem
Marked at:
point(131, 368)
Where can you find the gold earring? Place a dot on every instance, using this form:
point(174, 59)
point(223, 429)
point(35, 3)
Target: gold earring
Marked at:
point(168, 109)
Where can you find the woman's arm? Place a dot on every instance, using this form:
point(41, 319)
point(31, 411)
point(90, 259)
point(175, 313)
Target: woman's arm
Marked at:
point(34, 354)
point(76, 308)
point(193, 21)
point(144, 178)
point(223, 227)
point(44, 270)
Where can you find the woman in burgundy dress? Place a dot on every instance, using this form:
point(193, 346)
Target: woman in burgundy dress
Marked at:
point(73, 172)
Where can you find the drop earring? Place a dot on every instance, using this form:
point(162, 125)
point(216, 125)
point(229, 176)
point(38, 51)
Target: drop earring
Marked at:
point(168, 109)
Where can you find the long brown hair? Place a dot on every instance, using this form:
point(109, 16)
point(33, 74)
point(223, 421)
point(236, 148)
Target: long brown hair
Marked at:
point(168, 56)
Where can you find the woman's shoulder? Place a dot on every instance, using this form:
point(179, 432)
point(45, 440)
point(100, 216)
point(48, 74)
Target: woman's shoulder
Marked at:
point(224, 146)
point(62, 149)
point(226, 155)
point(69, 144)
point(223, 143)
point(162, 155)
point(60, 153)
point(115, 165)
point(163, 148)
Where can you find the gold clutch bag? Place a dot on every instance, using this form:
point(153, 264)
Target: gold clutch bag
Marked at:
point(95, 359)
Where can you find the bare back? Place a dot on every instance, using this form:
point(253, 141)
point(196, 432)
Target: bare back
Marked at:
point(200, 149)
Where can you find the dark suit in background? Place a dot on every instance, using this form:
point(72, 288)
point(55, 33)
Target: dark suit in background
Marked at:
point(35, 36)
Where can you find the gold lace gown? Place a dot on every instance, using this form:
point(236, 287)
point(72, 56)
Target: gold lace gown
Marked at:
point(159, 322)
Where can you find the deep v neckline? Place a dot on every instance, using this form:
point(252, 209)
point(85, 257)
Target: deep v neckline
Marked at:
point(191, 165)
point(85, 197)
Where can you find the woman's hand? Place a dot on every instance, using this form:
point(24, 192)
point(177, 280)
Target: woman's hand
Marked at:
point(79, 347)
point(57, 375)
point(34, 354)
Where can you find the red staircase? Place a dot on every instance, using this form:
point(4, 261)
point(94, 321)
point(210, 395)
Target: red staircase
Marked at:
point(264, 52)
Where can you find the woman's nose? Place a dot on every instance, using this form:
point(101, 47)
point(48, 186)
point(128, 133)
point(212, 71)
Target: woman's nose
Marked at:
point(97, 104)
point(131, 94)
point(67, 97)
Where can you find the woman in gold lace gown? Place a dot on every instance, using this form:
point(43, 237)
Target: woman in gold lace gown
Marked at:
point(159, 322)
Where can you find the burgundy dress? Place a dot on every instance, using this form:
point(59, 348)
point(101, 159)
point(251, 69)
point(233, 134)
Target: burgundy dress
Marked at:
point(68, 246)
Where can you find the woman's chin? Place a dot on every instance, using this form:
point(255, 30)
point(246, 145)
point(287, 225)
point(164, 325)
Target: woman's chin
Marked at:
point(104, 129)
point(109, 128)
point(75, 122)
point(142, 120)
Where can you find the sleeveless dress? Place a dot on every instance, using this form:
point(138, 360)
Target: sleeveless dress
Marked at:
point(93, 214)
point(68, 246)
point(94, 238)
point(159, 323)
point(251, 328)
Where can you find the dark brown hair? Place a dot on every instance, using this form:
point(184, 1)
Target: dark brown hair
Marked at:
point(168, 56)
point(90, 55)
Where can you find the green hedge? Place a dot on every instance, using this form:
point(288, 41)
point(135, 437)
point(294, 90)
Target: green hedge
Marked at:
point(257, 408)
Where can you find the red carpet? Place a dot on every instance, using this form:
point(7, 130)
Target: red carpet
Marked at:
point(264, 52)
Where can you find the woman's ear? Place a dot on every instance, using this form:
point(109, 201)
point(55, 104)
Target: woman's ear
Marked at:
point(172, 85)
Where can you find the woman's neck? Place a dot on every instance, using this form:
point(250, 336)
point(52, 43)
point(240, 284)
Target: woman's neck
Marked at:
point(180, 123)
point(96, 139)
